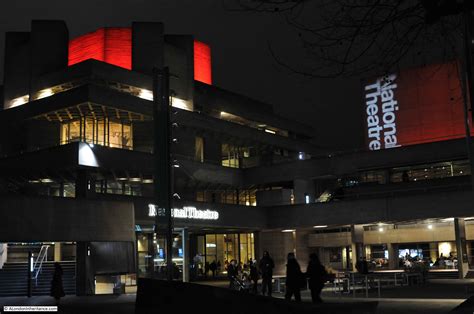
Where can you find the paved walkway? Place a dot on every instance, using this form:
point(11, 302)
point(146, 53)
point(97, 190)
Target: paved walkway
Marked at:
point(436, 297)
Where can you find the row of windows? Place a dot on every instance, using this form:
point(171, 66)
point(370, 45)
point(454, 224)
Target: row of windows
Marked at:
point(237, 197)
point(98, 131)
point(416, 173)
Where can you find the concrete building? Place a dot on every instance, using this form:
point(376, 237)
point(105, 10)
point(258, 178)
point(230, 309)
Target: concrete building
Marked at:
point(76, 146)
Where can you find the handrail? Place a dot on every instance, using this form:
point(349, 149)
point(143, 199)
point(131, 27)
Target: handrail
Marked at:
point(38, 265)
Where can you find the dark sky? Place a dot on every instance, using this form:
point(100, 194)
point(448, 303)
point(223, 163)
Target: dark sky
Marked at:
point(240, 57)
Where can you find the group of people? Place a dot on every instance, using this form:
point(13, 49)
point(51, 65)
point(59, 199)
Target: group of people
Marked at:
point(315, 275)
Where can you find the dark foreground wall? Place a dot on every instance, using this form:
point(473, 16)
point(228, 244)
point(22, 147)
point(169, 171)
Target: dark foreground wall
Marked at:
point(178, 296)
point(42, 219)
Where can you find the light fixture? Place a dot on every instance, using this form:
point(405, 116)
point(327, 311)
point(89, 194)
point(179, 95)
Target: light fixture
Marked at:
point(430, 226)
point(380, 229)
point(19, 101)
point(180, 103)
point(45, 93)
point(147, 181)
point(146, 94)
point(175, 141)
point(320, 226)
point(135, 179)
point(288, 230)
point(270, 131)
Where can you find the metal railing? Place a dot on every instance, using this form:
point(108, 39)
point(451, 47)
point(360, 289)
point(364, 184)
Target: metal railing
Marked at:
point(38, 264)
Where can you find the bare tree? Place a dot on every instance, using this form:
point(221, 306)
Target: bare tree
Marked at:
point(354, 37)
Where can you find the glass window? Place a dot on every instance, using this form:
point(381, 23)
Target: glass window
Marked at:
point(97, 131)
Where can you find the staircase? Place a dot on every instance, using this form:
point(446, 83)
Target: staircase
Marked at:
point(443, 274)
point(470, 274)
point(14, 279)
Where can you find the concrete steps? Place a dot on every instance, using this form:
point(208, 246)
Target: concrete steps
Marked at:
point(448, 274)
point(14, 279)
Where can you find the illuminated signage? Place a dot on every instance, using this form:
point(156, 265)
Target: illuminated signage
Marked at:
point(187, 212)
point(417, 105)
point(381, 107)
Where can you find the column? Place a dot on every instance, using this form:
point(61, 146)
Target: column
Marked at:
point(57, 252)
point(357, 236)
point(82, 184)
point(257, 245)
point(460, 236)
point(301, 247)
point(301, 188)
point(186, 255)
point(85, 284)
point(150, 268)
point(392, 255)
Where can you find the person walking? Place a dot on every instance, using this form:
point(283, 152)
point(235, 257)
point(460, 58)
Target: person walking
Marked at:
point(253, 276)
point(213, 268)
point(294, 278)
point(232, 273)
point(317, 274)
point(266, 266)
point(57, 290)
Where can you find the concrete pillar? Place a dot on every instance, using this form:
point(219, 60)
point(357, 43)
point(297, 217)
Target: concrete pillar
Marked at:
point(460, 236)
point(301, 247)
point(301, 188)
point(57, 252)
point(392, 255)
point(85, 281)
point(81, 184)
point(434, 251)
point(3, 254)
point(151, 253)
point(257, 245)
point(357, 236)
point(186, 255)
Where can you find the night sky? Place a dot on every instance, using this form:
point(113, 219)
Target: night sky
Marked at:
point(240, 57)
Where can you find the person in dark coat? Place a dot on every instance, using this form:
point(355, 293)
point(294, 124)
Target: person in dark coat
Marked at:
point(317, 275)
point(266, 266)
point(254, 276)
point(232, 273)
point(57, 290)
point(213, 268)
point(362, 266)
point(294, 278)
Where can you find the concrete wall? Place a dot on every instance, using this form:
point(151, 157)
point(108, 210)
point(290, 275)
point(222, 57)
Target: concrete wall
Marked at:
point(398, 208)
point(301, 188)
point(49, 49)
point(333, 239)
point(147, 46)
point(278, 244)
point(230, 216)
point(274, 197)
point(349, 163)
point(58, 219)
point(17, 66)
point(410, 235)
point(179, 56)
